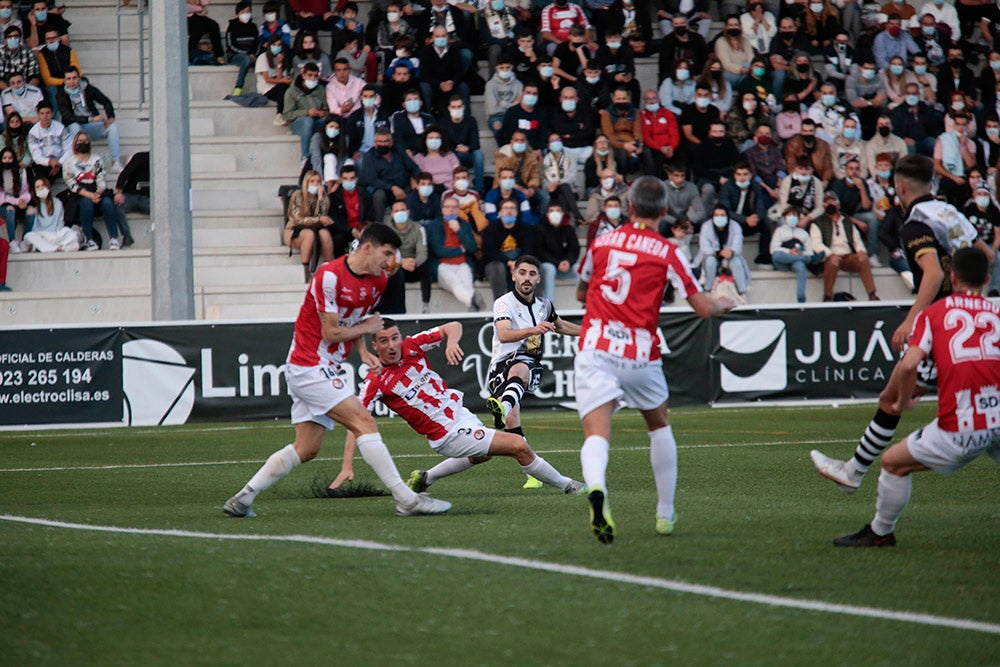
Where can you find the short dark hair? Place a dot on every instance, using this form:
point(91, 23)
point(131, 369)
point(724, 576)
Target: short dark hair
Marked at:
point(11, 30)
point(341, 61)
point(917, 168)
point(528, 259)
point(970, 266)
point(613, 198)
point(425, 176)
point(648, 197)
point(371, 87)
point(353, 6)
point(804, 161)
point(388, 323)
point(380, 235)
point(808, 121)
point(74, 69)
point(348, 168)
point(44, 104)
point(504, 59)
point(310, 67)
point(241, 5)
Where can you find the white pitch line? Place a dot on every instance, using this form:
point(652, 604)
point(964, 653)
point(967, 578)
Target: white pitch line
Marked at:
point(557, 568)
point(188, 464)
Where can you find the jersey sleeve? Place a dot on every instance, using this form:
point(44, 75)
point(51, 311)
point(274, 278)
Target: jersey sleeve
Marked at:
point(553, 315)
point(371, 390)
point(680, 275)
point(501, 310)
point(917, 239)
point(324, 287)
point(587, 266)
point(425, 340)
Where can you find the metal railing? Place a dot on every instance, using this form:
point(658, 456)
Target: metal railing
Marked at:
point(139, 11)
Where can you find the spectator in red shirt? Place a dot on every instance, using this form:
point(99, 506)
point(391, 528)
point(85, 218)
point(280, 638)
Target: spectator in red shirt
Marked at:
point(660, 134)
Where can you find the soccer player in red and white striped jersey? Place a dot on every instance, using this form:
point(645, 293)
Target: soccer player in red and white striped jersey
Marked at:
point(336, 312)
point(407, 384)
point(622, 282)
point(961, 332)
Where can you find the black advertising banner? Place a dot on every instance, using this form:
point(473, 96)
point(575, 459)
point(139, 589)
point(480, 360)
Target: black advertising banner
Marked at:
point(60, 376)
point(198, 371)
point(810, 353)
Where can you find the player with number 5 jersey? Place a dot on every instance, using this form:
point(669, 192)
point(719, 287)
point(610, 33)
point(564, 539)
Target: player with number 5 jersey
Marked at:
point(962, 333)
point(622, 282)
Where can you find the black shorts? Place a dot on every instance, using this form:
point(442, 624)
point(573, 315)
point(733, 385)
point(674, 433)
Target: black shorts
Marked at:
point(499, 375)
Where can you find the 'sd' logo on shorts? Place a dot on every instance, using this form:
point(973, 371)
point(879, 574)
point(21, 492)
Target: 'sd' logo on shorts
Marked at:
point(754, 356)
point(337, 383)
point(479, 434)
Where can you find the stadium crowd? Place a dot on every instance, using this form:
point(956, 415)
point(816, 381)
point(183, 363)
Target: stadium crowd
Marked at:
point(51, 180)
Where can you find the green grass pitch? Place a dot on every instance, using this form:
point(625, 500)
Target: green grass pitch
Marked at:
point(754, 518)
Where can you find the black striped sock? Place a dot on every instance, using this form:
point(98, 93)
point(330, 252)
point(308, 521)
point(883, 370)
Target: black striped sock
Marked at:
point(512, 393)
point(876, 438)
point(517, 430)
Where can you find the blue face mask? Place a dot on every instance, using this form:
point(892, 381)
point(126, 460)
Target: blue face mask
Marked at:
point(275, 49)
point(829, 100)
point(519, 147)
point(896, 69)
point(332, 132)
point(6, 13)
point(13, 43)
point(506, 183)
point(441, 42)
point(399, 217)
point(920, 70)
point(426, 190)
point(912, 100)
point(349, 185)
point(742, 185)
point(412, 106)
point(555, 146)
point(20, 91)
point(508, 220)
point(883, 174)
point(569, 106)
point(434, 144)
point(850, 133)
point(41, 16)
point(71, 91)
point(928, 30)
point(312, 189)
point(497, 5)
point(530, 100)
point(53, 46)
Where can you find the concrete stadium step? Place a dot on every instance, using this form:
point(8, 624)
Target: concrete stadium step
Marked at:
point(215, 82)
point(240, 189)
point(274, 156)
point(229, 119)
point(80, 306)
point(238, 228)
point(262, 267)
point(104, 48)
point(96, 271)
point(771, 287)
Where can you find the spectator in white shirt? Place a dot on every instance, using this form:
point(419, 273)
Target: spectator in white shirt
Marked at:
point(48, 142)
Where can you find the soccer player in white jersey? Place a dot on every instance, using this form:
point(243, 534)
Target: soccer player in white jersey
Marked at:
point(406, 384)
point(622, 282)
point(520, 320)
point(960, 332)
point(334, 314)
point(932, 231)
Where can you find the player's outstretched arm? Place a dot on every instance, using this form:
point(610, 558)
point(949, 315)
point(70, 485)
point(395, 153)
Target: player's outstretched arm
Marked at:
point(567, 328)
point(581, 291)
point(507, 334)
point(333, 332)
point(452, 334)
point(905, 376)
point(347, 467)
point(930, 284)
point(706, 306)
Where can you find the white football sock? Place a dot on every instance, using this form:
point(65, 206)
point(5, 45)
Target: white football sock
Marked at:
point(594, 462)
point(448, 467)
point(893, 496)
point(663, 457)
point(374, 451)
point(277, 466)
point(543, 471)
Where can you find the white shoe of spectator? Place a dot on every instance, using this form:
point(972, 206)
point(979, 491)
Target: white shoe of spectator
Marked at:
point(91, 245)
point(113, 244)
point(81, 239)
point(280, 121)
point(15, 247)
point(874, 262)
point(117, 166)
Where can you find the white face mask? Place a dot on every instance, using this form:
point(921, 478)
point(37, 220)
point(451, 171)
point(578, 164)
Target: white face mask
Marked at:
point(271, 17)
point(245, 17)
point(42, 193)
point(310, 83)
point(457, 114)
point(720, 221)
point(982, 202)
point(608, 183)
point(614, 213)
point(555, 218)
point(425, 190)
point(401, 53)
point(461, 184)
point(392, 16)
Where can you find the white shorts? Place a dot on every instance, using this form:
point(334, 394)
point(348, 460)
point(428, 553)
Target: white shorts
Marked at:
point(947, 452)
point(467, 437)
point(315, 390)
point(601, 377)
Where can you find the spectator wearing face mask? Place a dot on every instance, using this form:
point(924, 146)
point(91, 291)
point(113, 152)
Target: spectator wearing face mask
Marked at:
point(518, 157)
point(916, 122)
point(841, 246)
point(423, 201)
point(273, 26)
point(412, 267)
point(452, 246)
point(810, 146)
point(502, 91)
point(386, 171)
point(791, 249)
point(328, 151)
point(867, 96)
point(274, 75)
point(49, 232)
point(734, 50)
point(437, 158)
point(305, 106)
point(84, 174)
point(556, 247)
point(747, 206)
point(460, 130)
point(558, 175)
point(618, 64)
point(82, 107)
point(410, 123)
point(362, 125)
point(954, 156)
point(801, 189)
point(17, 58)
point(677, 92)
point(22, 99)
point(505, 187)
point(893, 41)
point(611, 218)
point(982, 212)
point(720, 245)
point(612, 185)
point(504, 240)
point(309, 222)
point(54, 60)
point(660, 135)
point(528, 117)
point(497, 30)
point(242, 43)
point(680, 42)
point(351, 210)
point(621, 124)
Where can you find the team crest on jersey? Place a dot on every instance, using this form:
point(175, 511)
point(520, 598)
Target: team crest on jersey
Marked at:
point(364, 293)
point(479, 434)
point(502, 307)
point(338, 383)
